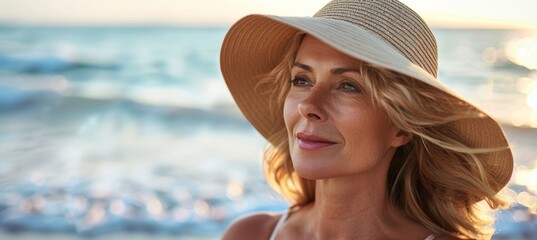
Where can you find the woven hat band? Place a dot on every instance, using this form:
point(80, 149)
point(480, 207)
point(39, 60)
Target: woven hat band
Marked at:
point(394, 23)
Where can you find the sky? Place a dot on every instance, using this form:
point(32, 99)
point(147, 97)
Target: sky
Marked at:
point(438, 13)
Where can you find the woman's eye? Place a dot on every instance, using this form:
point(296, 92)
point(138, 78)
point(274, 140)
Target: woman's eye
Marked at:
point(300, 82)
point(349, 87)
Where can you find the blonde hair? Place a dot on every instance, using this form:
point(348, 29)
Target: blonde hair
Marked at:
point(434, 179)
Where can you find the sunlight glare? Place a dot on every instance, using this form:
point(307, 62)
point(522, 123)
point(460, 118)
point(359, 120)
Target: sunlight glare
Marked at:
point(526, 199)
point(96, 214)
point(523, 52)
point(117, 207)
point(155, 207)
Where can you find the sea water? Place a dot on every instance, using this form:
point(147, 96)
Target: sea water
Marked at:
point(113, 130)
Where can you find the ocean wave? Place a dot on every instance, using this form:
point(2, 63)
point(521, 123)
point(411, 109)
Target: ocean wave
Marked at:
point(50, 63)
point(100, 112)
point(511, 66)
point(17, 89)
point(12, 99)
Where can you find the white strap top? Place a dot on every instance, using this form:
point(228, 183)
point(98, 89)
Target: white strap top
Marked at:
point(285, 215)
point(432, 236)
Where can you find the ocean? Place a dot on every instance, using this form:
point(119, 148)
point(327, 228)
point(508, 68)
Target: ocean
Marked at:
point(130, 132)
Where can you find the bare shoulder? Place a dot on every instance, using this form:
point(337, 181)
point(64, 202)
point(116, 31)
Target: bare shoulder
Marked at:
point(252, 226)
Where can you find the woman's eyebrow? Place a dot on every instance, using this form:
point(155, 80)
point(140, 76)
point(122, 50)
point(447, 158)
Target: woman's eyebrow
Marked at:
point(333, 71)
point(344, 70)
point(303, 66)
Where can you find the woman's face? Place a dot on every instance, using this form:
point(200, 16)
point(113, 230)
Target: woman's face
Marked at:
point(334, 129)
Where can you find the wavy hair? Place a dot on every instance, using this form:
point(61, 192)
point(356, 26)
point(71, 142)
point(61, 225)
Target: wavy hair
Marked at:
point(434, 179)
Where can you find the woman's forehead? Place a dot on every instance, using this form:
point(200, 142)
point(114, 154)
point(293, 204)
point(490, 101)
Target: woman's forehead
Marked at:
point(313, 49)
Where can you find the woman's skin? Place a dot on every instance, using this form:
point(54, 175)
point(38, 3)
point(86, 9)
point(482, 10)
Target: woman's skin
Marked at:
point(340, 139)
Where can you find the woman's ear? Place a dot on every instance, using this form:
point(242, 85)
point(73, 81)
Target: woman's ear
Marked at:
point(401, 138)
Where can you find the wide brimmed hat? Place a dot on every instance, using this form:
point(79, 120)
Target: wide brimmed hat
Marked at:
point(385, 33)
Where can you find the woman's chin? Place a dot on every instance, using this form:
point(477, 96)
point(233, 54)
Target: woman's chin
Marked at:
point(313, 173)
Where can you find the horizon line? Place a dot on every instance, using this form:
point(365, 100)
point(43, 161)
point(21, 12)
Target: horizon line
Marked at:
point(216, 25)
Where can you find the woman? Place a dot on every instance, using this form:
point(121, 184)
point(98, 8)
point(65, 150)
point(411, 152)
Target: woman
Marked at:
point(365, 141)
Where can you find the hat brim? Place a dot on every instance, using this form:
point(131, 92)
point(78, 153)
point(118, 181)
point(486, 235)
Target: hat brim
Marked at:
point(257, 43)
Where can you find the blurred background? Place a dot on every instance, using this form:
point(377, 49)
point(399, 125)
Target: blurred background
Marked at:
point(115, 122)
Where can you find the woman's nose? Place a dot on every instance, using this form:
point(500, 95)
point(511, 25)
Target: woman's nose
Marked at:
point(311, 107)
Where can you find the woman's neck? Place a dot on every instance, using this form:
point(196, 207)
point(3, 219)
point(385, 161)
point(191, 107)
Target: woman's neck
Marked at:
point(353, 208)
point(357, 207)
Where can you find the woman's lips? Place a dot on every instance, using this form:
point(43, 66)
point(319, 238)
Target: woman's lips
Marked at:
point(306, 141)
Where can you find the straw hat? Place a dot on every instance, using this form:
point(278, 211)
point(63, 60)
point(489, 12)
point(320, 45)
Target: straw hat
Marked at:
point(382, 32)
